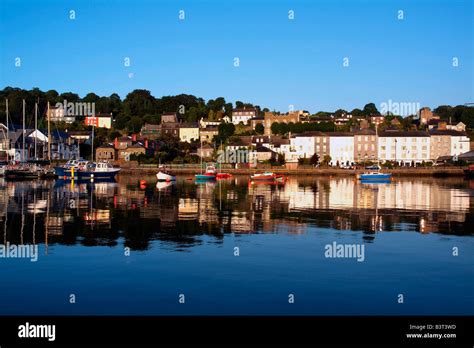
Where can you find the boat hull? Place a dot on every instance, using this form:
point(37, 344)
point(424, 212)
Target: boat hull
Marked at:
point(165, 177)
point(267, 177)
point(378, 176)
point(223, 175)
point(205, 177)
point(15, 174)
point(69, 174)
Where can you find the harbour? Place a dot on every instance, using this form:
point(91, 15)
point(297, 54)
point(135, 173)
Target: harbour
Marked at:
point(172, 238)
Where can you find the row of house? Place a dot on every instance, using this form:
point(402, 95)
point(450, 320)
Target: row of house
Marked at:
point(184, 131)
point(32, 144)
point(344, 148)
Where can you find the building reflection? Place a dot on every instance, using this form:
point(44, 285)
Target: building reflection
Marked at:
point(136, 213)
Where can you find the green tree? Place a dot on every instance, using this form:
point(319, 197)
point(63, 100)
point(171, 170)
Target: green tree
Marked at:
point(225, 130)
point(275, 128)
point(314, 159)
point(370, 109)
point(135, 124)
point(357, 112)
point(326, 159)
point(259, 128)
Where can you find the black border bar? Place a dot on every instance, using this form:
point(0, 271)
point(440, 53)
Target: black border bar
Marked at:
point(193, 330)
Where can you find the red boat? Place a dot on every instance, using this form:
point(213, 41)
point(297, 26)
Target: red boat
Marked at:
point(223, 175)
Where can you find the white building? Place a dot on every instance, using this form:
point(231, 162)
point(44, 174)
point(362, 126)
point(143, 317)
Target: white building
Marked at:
point(304, 146)
point(341, 148)
point(59, 114)
point(459, 143)
point(404, 147)
point(243, 115)
point(203, 123)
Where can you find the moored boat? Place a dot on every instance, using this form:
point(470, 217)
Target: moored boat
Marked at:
point(209, 174)
point(165, 175)
point(469, 172)
point(91, 171)
point(21, 173)
point(375, 175)
point(267, 176)
point(223, 175)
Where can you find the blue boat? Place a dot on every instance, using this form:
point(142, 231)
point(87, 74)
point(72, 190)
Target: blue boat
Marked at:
point(94, 171)
point(375, 176)
point(205, 177)
point(210, 173)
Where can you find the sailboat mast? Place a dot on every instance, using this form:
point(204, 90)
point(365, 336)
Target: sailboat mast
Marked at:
point(23, 149)
point(36, 127)
point(92, 155)
point(8, 132)
point(377, 142)
point(201, 155)
point(49, 133)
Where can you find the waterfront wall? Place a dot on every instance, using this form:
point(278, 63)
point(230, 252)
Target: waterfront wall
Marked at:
point(408, 171)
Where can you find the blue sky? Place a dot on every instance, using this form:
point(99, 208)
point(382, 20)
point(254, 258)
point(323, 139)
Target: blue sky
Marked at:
point(283, 62)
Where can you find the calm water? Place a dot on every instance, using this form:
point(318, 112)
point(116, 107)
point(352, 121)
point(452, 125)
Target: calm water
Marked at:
point(182, 237)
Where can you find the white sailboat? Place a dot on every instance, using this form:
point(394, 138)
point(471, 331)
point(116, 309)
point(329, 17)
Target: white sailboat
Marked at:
point(164, 174)
point(375, 174)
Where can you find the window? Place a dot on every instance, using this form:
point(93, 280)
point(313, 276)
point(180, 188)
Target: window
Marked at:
point(366, 138)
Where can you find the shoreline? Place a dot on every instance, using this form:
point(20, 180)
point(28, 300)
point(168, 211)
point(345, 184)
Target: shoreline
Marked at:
point(426, 171)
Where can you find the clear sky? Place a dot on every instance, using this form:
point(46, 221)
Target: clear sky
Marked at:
point(283, 62)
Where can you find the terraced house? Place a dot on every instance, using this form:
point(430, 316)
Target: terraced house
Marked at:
point(365, 145)
point(404, 147)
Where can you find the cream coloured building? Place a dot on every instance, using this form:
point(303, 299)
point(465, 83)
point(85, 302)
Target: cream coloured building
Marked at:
point(404, 147)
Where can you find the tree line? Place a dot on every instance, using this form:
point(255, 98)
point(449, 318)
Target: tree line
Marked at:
point(140, 107)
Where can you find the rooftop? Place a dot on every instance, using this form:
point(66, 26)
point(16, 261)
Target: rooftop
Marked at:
point(399, 133)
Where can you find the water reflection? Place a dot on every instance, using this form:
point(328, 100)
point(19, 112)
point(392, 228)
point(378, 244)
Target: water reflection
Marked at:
point(179, 213)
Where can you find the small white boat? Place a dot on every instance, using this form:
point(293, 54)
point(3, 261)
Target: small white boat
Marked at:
point(162, 185)
point(267, 176)
point(163, 175)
